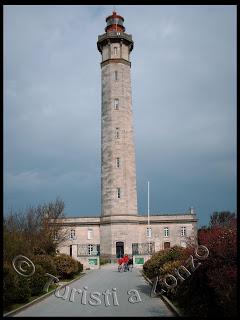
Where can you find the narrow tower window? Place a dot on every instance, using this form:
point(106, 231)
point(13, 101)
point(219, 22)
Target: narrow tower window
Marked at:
point(117, 133)
point(118, 193)
point(115, 51)
point(116, 75)
point(116, 104)
point(118, 162)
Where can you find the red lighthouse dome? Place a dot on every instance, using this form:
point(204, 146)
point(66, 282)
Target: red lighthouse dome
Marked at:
point(114, 23)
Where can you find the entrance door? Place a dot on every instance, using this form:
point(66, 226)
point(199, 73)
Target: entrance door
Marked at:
point(166, 245)
point(70, 250)
point(119, 249)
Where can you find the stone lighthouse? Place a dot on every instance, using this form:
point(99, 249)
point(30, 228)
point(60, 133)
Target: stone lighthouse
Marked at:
point(118, 173)
point(120, 229)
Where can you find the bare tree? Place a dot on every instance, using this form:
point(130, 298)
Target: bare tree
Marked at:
point(36, 231)
point(222, 219)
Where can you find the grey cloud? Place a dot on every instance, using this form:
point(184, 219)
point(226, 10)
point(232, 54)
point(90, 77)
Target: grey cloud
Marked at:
point(184, 104)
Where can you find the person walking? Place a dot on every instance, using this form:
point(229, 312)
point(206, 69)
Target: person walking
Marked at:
point(130, 264)
point(125, 261)
point(120, 264)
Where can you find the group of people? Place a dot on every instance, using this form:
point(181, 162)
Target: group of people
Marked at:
point(125, 263)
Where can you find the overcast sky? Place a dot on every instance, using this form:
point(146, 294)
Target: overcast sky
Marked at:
point(184, 106)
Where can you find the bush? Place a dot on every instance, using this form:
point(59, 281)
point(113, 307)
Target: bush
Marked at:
point(211, 289)
point(104, 260)
point(168, 267)
point(10, 282)
point(47, 263)
point(80, 267)
point(23, 290)
point(66, 266)
point(38, 280)
point(152, 266)
point(15, 287)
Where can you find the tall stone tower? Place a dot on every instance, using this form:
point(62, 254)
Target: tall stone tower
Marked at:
point(118, 183)
point(118, 173)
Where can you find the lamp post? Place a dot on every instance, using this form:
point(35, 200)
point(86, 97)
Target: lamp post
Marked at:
point(149, 233)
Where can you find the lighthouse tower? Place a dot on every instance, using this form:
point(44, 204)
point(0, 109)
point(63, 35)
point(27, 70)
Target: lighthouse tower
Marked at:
point(118, 173)
point(118, 183)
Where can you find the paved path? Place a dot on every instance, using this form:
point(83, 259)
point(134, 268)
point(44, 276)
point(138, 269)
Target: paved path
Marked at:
point(121, 302)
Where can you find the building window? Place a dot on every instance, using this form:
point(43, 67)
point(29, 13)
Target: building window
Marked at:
point(55, 235)
point(115, 51)
point(166, 232)
point(149, 232)
point(183, 231)
point(116, 75)
point(116, 104)
point(90, 233)
point(72, 234)
point(90, 249)
point(183, 244)
point(117, 133)
point(118, 162)
point(118, 193)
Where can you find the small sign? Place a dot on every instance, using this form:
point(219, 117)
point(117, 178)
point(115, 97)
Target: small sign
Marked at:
point(139, 260)
point(92, 261)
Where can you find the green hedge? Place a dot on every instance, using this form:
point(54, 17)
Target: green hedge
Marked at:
point(80, 267)
point(46, 262)
point(104, 260)
point(38, 280)
point(66, 266)
point(152, 266)
point(16, 289)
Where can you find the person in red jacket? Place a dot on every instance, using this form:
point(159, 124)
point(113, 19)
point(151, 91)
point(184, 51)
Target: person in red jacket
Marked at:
point(125, 261)
point(120, 263)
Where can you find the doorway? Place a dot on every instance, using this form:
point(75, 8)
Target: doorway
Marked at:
point(70, 250)
point(166, 245)
point(119, 249)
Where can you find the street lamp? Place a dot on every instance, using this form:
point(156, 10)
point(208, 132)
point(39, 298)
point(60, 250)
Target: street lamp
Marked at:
point(149, 229)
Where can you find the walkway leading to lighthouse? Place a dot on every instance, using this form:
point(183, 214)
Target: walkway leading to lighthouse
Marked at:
point(102, 293)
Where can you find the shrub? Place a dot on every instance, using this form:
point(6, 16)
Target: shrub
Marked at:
point(38, 280)
point(80, 267)
point(151, 267)
point(46, 262)
point(66, 266)
point(104, 260)
point(15, 287)
point(194, 296)
point(220, 268)
point(211, 289)
point(10, 283)
point(23, 290)
point(168, 267)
